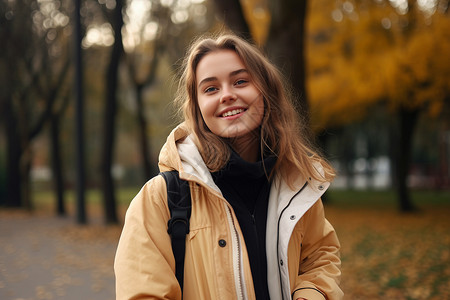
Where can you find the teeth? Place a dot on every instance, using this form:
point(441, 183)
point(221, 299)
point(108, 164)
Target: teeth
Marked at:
point(232, 112)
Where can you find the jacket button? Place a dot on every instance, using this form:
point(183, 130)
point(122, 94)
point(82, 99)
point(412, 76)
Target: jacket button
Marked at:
point(293, 217)
point(281, 262)
point(222, 243)
point(320, 187)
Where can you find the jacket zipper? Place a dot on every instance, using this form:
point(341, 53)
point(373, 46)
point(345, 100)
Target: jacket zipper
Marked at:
point(237, 254)
point(237, 259)
point(278, 236)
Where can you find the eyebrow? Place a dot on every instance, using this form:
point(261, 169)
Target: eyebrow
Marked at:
point(233, 73)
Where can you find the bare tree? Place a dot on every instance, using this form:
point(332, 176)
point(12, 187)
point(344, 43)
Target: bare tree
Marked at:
point(142, 66)
point(110, 112)
point(32, 74)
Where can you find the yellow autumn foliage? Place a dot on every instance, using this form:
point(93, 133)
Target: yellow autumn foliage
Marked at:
point(420, 75)
point(354, 62)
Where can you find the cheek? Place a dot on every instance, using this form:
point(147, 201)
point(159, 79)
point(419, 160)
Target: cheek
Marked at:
point(207, 108)
point(260, 107)
point(201, 106)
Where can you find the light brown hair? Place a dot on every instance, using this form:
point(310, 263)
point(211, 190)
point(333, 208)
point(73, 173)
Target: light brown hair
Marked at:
point(282, 132)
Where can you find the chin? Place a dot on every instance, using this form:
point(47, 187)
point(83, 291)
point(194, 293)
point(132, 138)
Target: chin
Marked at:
point(235, 133)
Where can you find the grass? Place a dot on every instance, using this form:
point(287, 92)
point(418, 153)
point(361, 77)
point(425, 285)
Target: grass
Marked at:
point(383, 198)
point(45, 198)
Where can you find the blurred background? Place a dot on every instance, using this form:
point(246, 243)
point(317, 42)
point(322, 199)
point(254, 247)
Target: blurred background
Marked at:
point(85, 105)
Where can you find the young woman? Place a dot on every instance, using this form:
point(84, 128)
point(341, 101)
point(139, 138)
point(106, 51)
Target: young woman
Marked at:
point(257, 228)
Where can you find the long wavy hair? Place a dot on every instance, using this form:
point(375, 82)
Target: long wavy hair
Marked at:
point(282, 132)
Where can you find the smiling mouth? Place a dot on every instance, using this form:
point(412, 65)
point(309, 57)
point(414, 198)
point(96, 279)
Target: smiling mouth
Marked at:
point(233, 112)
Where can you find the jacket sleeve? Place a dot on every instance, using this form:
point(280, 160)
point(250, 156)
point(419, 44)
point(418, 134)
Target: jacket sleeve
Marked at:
point(319, 267)
point(144, 264)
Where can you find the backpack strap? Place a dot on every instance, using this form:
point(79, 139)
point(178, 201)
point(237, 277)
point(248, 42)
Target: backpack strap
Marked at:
point(179, 203)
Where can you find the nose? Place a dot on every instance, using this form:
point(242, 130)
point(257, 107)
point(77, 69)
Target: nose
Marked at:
point(227, 95)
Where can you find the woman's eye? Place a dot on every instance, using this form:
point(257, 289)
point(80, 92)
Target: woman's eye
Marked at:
point(241, 81)
point(210, 89)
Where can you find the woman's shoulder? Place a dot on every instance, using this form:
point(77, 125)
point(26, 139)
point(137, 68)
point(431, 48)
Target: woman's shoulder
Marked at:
point(155, 186)
point(152, 196)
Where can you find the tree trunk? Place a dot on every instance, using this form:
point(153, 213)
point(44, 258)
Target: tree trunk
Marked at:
point(13, 178)
point(57, 172)
point(233, 16)
point(285, 45)
point(25, 167)
point(109, 200)
point(159, 47)
point(79, 105)
point(144, 142)
point(408, 120)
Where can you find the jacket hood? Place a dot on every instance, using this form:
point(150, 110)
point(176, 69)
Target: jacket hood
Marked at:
point(181, 153)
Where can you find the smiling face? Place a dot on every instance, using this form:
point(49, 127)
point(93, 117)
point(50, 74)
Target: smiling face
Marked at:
point(230, 103)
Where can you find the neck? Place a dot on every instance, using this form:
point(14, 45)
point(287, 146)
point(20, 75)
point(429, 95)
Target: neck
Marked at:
point(247, 147)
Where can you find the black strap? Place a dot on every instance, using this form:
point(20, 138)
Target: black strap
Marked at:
point(179, 202)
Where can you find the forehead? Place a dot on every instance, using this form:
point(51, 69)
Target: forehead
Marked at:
point(218, 63)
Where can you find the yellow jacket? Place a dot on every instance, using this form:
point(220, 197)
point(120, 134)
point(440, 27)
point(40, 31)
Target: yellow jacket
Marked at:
point(302, 247)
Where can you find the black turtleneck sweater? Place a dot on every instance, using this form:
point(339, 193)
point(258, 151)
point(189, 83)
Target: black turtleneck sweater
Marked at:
point(246, 187)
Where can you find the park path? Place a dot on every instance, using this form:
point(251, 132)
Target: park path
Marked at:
point(48, 257)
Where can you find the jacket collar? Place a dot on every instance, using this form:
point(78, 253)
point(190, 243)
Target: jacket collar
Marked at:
point(180, 153)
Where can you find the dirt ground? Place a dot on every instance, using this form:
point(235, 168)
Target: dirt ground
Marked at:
point(47, 257)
